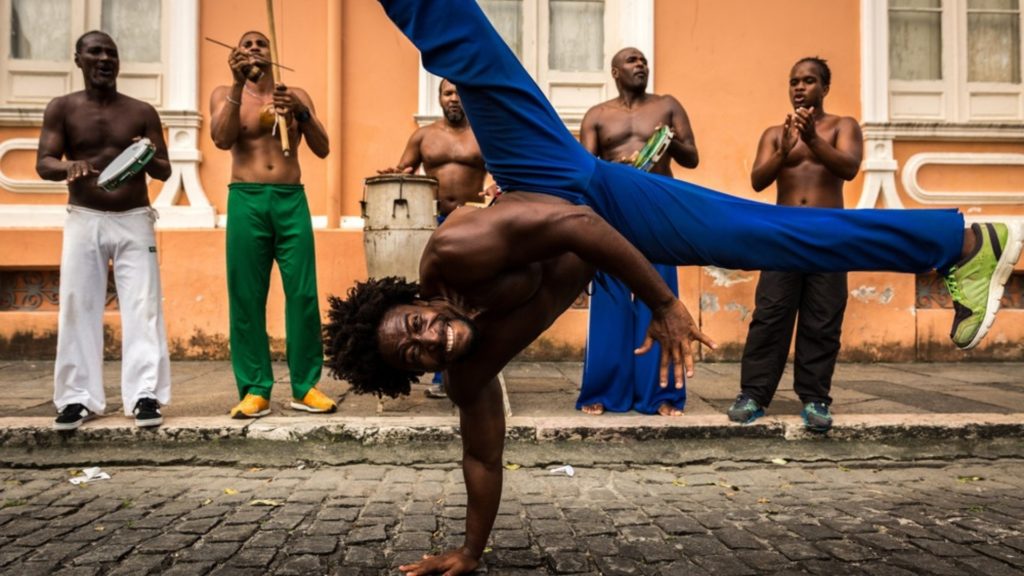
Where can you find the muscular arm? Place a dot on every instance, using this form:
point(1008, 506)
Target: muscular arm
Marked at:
point(412, 157)
point(224, 115)
point(50, 164)
point(160, 166)
point(683, 148)
point(844, 158)
point(768, 162)
point(312, 129)
point(482, 422)
point(588, 132)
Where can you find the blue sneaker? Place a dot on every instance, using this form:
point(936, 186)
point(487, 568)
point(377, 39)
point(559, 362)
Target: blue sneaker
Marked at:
point(745, 410)
point(817, 417)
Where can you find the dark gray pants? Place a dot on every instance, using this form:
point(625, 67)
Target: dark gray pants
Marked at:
point(817, 303)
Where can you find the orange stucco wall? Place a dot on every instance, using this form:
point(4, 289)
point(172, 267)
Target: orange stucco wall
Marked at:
point(729, 72)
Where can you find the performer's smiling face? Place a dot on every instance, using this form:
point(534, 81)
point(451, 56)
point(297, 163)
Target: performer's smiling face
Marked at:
point(424, 336)
point(450, 103)
point(629, 69)
point(806, 88)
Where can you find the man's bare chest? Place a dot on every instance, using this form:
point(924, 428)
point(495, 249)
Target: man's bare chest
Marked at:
point(97, 132)
point(440, 151)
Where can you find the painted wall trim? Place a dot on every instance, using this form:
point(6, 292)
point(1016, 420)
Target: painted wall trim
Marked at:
point(918, 193)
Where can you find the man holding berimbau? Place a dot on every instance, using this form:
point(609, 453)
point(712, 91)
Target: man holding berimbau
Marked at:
point(268, 220)
point(83, 133)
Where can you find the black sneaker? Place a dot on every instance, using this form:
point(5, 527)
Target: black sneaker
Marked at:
point(72, 416)
point(147, 413)
point(745, 410)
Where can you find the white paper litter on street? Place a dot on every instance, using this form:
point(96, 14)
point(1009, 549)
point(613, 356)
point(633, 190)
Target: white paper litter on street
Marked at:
point(567, 470)
point(90, 474)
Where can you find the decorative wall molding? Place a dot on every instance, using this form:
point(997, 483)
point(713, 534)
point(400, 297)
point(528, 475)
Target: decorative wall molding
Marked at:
point(879, 174)
point(918, 161)
point(945, 131)
point(11, 116)
point(30, 186)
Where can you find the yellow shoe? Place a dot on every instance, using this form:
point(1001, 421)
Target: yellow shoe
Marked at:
point(252, 406)
point(316, 402)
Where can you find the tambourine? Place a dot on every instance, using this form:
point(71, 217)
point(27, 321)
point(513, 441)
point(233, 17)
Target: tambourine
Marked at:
point(127, 165)
point(655, 148)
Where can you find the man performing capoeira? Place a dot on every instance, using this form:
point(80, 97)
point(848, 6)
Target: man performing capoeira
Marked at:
point(491, 280)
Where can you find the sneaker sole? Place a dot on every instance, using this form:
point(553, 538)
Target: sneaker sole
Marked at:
point(311, 410)
point(62, 427)
point(149, 423)
point(244, 416)
point(816, 429)
point(996, 286)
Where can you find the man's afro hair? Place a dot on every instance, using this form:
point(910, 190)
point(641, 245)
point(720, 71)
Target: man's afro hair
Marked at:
point(350, 337)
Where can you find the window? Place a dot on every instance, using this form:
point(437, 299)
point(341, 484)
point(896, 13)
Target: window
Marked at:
point(566, 45)
point(37, 63)
point(955, 60)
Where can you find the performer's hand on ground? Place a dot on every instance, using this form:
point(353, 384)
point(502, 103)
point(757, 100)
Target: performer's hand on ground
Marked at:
point(805, 124)
point(457, 561)
point(395, 170)
point(674, 328)
point(80, 169)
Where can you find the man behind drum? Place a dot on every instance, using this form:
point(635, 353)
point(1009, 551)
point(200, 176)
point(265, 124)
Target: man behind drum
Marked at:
point(82, 133)
point(613, 377)
point(448, 152)
point(268, 220)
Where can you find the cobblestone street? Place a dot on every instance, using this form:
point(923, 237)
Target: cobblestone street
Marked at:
point(727, 519)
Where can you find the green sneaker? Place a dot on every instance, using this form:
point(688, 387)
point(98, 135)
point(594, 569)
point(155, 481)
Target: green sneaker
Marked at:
point(976, 283)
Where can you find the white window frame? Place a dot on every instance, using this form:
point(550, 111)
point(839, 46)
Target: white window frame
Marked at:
point(141, 80)
point(953, 99)
point(627, 23)
point(882, 127)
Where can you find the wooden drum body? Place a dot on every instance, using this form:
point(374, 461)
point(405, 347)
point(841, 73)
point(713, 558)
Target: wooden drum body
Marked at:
point(400, 214)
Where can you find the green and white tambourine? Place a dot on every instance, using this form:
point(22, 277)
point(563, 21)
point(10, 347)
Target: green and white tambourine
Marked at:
point(127, 165)
point(655, 148)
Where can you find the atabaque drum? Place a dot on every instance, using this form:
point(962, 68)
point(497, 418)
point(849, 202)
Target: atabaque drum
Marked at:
point(400, 214)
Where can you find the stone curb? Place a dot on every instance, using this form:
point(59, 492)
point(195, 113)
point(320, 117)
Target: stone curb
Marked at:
point(37, 432)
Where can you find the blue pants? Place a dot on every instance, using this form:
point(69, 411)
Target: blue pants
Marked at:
point(612, 375)
point(527, 148)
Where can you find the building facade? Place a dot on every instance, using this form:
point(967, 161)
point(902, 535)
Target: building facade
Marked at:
point(936, 85)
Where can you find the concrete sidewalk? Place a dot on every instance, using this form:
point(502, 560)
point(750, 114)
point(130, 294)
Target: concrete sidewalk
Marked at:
point(871, 401)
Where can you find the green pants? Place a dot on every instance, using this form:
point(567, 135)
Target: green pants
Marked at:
point(268, 222)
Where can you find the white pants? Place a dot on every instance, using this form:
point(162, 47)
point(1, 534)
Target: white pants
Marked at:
point(91, 239)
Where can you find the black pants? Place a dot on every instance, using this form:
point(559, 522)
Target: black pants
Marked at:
point(817, 303)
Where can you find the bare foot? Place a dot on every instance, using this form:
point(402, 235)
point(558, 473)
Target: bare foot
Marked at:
point(667, 409)
point(593, 409)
